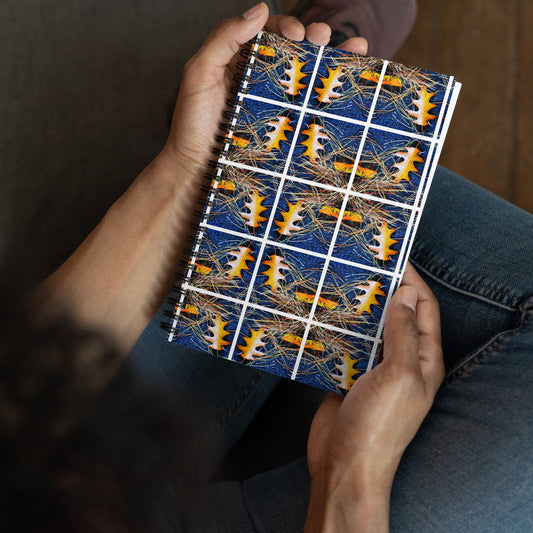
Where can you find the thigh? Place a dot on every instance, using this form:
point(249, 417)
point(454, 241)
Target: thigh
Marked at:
point(470, 467)
point(475, 251)
point(224, 395)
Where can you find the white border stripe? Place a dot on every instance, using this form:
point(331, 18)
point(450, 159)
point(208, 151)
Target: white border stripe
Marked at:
point(453, 100)
point(211, 197)
point(296, 249)
point(275, 311)
point(421, 197)
point(321, 113)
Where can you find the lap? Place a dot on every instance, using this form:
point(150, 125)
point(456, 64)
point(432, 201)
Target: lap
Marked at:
point(469, 467)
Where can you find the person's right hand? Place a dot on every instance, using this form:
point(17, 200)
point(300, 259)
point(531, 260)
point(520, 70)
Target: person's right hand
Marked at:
point(355, 444)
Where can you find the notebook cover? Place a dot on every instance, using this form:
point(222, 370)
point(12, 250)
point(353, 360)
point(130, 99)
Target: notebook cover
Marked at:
point(317, 193)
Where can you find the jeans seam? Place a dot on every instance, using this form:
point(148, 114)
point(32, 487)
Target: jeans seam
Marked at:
point(464, 279)
point(489, 347)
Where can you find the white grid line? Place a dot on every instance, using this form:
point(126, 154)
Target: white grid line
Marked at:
point(339, 221)
point(296, 249)
point(422, 193)
point(326, 186)
point(275, 311)
point(321, 113)
point(276, 201)
point(249, 237)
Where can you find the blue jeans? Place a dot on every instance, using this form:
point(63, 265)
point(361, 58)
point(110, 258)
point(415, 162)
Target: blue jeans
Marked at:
point(470, 467)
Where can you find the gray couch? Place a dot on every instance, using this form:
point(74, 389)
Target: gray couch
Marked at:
point(87, 88)
point(87, 91)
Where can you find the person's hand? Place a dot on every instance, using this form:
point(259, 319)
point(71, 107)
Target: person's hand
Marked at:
point(208, 77)
point(355, 444)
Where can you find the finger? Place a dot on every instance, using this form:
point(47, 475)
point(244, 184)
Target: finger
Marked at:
point(224, 41)
point(427, 306)
point(428, 319)
point(357, 45)
point(400, 337)
point(318, 33)
point(289, 27)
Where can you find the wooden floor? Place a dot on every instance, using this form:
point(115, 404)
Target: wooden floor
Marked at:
point(488, 46)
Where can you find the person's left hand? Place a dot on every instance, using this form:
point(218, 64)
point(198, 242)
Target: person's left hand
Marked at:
point(355, 444)
point(208, 77)
point(119, 276)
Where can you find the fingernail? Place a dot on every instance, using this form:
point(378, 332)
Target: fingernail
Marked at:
point(253, 11)
point(409, 297)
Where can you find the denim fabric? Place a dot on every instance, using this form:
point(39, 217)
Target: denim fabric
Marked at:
point(470, 467)
point(91, 87)
point(225, 395)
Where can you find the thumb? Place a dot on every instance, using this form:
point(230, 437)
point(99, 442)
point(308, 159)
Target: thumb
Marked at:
point(224, 41)
point(401, 334)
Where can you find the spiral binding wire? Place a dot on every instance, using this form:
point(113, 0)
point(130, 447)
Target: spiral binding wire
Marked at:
point(230, 115)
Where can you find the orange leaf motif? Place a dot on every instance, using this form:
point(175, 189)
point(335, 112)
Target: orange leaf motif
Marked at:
point(239, 141)
point(310, 298)
point(347, 373)
point(290, 218)
point(281, 127)
point(372, 75)
point(382, 250)
point(335, 211)
point(255, 208)
point(266, 50)
point(251, 350)
point(294, 339)
point(347, 168)
point(370, 289)
point(410, 156)
point(276, 264)
point(312, 143)
point(202, 269)
point(237, 265)
point(216, 339)
point(332, 82)
point(224, 184)
point(191, 309)
point(421, 116)
point(295, 75)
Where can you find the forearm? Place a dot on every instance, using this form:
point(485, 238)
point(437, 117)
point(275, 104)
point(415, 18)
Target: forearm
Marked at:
point(117, 278)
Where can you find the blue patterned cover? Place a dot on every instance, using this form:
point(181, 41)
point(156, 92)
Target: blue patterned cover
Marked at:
point(312, 210)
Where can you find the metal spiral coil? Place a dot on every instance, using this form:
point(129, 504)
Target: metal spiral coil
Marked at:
point(205, 206)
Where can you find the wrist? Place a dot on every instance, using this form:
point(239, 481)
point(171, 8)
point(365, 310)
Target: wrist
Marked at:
point(348, 499)
point(348, 510)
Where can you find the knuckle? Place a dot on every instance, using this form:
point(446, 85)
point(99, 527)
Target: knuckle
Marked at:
point(410, 327)
point(222, 26)
point(405, 380)
point(432, 299)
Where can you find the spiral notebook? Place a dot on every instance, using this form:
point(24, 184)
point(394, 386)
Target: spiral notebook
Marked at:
point(313, 204)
